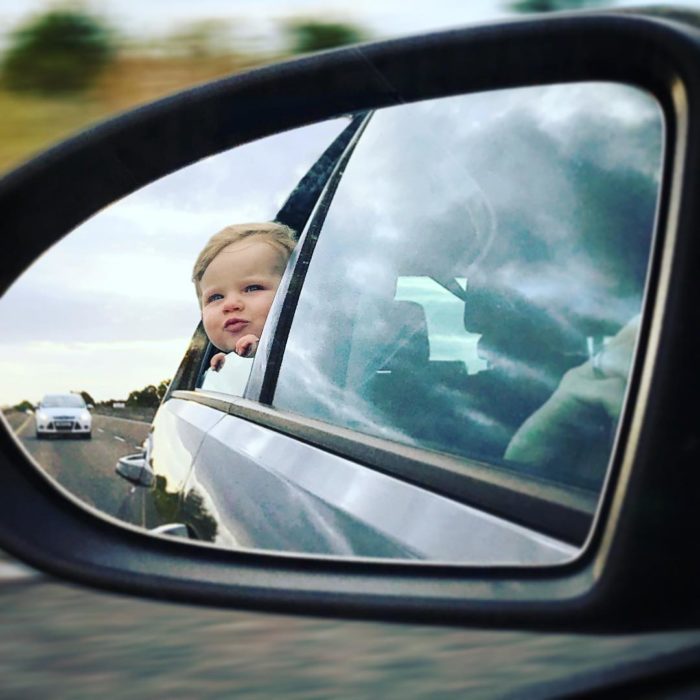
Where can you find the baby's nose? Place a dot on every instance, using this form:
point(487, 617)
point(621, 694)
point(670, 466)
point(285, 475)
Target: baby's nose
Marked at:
point(233, 301)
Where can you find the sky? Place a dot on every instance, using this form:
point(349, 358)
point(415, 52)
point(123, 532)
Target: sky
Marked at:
point(111, 308)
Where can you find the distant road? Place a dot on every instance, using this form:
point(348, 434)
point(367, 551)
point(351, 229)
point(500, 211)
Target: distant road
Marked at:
point(86, 467)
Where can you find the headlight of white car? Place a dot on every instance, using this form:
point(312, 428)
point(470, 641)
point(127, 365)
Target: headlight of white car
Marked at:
point(85, 416)
point(40, 416)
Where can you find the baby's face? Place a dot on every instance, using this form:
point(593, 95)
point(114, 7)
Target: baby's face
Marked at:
point(237, 290)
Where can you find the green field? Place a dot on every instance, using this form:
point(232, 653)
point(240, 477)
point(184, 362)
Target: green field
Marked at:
point(29, 124)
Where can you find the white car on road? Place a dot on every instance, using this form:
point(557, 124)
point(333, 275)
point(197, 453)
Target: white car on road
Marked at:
point(63, 414)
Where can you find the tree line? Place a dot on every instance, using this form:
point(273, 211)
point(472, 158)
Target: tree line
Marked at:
point(63, 51)
point(148, 397)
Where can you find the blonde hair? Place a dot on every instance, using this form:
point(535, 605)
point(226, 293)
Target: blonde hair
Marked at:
point(277, 235)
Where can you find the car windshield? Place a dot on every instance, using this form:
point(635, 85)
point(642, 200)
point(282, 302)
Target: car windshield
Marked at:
point(63, 401)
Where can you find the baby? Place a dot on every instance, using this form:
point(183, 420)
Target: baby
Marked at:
point(236, 277)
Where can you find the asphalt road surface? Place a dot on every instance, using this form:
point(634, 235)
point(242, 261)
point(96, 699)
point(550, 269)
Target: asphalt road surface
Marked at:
point(86, 467)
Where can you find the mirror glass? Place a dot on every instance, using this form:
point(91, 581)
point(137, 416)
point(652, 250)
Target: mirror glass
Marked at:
point(474, 296)
point(108, 312)
point(500, 266)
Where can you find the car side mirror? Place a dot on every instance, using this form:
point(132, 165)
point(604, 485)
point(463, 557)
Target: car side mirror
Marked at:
point(636, 552)
point(135, 470)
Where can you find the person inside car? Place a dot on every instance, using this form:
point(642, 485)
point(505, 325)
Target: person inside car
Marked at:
point(236, 276)
point(555, 439)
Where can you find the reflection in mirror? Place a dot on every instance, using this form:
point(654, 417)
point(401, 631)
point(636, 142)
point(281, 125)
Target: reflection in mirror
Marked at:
point(108, 312)
point(474, 296)
point(494, 250)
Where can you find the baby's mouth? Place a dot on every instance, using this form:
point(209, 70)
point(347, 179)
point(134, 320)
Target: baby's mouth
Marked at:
point(234, 325)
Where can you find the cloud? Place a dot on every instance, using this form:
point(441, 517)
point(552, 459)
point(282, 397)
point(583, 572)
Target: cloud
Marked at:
point(124, 276)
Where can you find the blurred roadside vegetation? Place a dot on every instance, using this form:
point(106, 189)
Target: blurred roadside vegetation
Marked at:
point(65, 69)
point(306, 35)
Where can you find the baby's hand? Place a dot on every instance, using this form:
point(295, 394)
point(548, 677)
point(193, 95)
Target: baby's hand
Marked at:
point(217, 362)
point(247, 345)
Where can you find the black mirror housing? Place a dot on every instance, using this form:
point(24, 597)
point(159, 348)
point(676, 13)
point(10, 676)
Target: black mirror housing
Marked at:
point(637, 553)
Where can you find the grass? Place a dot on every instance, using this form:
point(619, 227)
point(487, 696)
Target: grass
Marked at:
point(31, 123)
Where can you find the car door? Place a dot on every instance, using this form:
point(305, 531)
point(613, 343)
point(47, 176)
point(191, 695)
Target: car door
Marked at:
point(414, 337)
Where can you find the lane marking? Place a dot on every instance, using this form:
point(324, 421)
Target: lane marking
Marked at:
point(99, 430)
point(121, 439)
point(19, 429)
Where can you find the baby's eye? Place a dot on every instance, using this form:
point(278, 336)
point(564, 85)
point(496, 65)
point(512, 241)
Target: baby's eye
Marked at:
point(214, 297)
point(253, 288)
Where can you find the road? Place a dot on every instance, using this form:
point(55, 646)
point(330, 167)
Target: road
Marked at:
point(86, 467)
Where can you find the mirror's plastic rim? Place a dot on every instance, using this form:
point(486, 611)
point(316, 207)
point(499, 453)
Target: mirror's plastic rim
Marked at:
point(636, 555)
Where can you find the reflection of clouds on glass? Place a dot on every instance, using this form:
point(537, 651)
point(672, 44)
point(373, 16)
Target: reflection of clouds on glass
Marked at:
point(308, 391)
point(572, 174)
point(563, 104)
point(470, 414)
point(414, 186)
point(574, 116)
point(571, 288)
point(371, 275)
point(542, 198)
point(518, 370)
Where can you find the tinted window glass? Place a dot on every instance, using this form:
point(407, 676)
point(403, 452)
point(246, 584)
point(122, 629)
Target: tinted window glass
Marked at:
point(63, 401)
point(478, 279)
